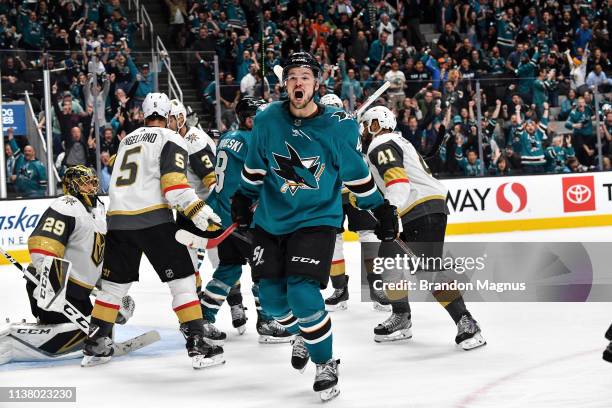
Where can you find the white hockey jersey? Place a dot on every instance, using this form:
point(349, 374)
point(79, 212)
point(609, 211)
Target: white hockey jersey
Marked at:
point(149, 177)
point(201, 171)
point(404, 178)
point(67, 230)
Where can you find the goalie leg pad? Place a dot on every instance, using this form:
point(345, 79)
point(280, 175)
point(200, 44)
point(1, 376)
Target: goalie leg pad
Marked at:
point(38, 342)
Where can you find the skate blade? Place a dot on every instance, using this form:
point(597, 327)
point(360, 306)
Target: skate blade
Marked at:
point(241, 329)
point(199, 362)
point(91, 361)
point(337, 307)
point(473, 342)
point(263, 339)
point(329, 394)
point(379, 307)
point(403, 334)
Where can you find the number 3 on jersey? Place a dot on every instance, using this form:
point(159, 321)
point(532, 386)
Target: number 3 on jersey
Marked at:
point(220, 170)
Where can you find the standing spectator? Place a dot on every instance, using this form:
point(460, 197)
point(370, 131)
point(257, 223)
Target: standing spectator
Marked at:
point(14, 157)
point(109, 142)
point(96, 94)
point(30, 176)
point(351, 88)
point(177, 15)
point(378, 50)
point(449, 41)
point(397, 80)
point(76, 150)
point(105, 173)
point(530, 138)
point(558, 153)
point(578, 69)
point(580, 120)
point(202, 49)
point(598, 81)
point(567, 105)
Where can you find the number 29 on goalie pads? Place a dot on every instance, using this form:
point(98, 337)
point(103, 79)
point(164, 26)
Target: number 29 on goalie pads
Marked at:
point(50, 293)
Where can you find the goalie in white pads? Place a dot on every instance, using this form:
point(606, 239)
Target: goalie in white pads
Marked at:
point(67, 249)
point(148, 179)
point(406, 181)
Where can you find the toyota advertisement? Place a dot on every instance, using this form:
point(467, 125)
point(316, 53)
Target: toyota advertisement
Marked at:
point(529, 197)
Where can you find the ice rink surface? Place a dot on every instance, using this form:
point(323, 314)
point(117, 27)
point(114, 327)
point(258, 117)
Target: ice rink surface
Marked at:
point(538, 354)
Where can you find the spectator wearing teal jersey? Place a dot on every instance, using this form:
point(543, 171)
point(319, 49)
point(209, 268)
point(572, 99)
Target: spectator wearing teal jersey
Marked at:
point(30, 176)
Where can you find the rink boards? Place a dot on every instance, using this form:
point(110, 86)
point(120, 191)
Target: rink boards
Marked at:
point(476, 205)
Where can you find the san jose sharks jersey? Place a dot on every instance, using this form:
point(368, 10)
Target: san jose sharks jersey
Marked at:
point(295, 167)
point(201, 151)
point(231, 154)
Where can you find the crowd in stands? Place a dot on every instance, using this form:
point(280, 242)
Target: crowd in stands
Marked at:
point(88, 44)
point(538, 63)
point(526, 55)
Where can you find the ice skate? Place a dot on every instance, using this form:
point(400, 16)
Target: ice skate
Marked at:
point(607, 354)
point(270, 332)
point(396, 327)
point(202, 355)
point(239, 318)
point(338, 300)
point(213, 335)
point(380, 302)
point(299, 354)
point(468, 333)
point(326, 380)
point(96, 351)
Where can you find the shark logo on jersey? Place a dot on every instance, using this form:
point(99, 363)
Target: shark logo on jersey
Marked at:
point(298, 173)
point(341, 115)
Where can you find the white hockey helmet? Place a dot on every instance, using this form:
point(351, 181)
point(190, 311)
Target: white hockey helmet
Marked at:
point(332, 100)
point(177, 109)
point(156, 103)
point(384, 116)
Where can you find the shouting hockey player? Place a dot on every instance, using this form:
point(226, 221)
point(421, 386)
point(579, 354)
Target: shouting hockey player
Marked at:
point(406, 181)
point(300, 154)
point(361, 222)
point(201, 152)
point(148, 179)
point(232, 253)
point(71, 230)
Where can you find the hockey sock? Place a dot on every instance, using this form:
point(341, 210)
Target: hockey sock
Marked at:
point(337, 272)
point(217, 289)
point(400, 306)
point(262, 314)
point(273, 297)
point(235, 296)
point(307, 304)
point(452, 301)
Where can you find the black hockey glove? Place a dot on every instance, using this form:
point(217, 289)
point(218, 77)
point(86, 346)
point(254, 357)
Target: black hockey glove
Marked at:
point(241, 210)
point(388, 224)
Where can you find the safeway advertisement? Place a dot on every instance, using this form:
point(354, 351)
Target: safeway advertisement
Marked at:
point(528, 197)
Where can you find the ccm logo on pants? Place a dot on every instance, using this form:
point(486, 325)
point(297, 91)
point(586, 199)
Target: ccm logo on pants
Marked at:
point(305, 260)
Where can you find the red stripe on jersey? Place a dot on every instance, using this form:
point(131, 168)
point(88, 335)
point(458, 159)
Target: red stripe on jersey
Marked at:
point(108, 305)
point(42, 252)
point(176, 187)
point(186, 305)
point(400, 180)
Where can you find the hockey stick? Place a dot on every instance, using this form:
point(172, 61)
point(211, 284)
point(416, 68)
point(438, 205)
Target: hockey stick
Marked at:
point(278, 71)
point(236, 234)
point(397, 241)
point(191, 240)
point(371, 99)
point(76, 317)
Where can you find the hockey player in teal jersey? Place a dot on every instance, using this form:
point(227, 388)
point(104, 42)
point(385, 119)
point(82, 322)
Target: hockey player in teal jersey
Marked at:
point(299, 155)
point(232, 253)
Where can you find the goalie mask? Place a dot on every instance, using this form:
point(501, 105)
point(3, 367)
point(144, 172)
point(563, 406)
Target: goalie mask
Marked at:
point(81, 182)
